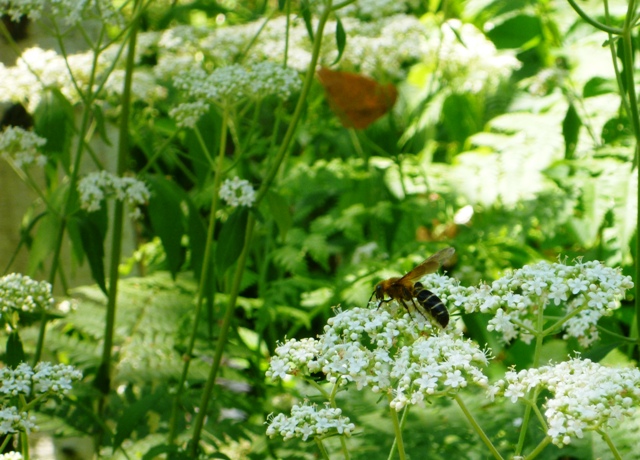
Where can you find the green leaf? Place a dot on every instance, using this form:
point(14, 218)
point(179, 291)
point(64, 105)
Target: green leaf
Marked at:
point(305, 12)
point(15, 352)
point(341, 40)
point(281, 213)
point(570, 130)
point(156, 451)
point(516, 31)
point(53, 120)
point(167, 219)
point(598, 86)
point(231, 239)
point(132, 417)
point(91, 230)
point(44, 243)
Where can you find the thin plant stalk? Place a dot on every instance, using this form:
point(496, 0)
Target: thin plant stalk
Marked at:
point(477, 428)
point(204, 273)
point(536, 362)
point(237, 278)
point(610, 443)
point(103, 377)
point(322, 449)
point(398, 441)
point(539, 448)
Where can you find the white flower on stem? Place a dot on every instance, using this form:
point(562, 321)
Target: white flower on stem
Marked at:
point(237, 192)
point(21, 147)
point(187, 114)
point(11, 456)
point(20, 293)
point(11, 421)
point(585, 395)
point(96, 186)
point(44, 378)
point(586, 290)
point(70, 12)
point(385, 350)
point(307, 421)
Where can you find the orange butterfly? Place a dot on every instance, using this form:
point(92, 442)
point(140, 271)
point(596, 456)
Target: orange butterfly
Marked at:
point(357, 100)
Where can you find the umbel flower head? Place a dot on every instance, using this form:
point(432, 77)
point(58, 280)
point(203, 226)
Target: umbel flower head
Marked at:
point(580, 294)
point(19, 293)
point(385, 350)
point(44, 378)
point(20, 147)
point(307, 420)
point(237, 192)
point(585, 395)
point(96, 186)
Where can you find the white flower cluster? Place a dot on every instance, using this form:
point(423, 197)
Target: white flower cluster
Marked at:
point(466, 60)
point(70, 11)
point(583, 293)
point(376, 9)
point(237, 192)
point(12, 420)
point(19, 293)
point(187, 114)
point(37, 70)
point(386, 351)
point(44, 378)
point(96, 186)
point(20, 147)
point(11, 456)
point(586, 395)
point(308, 421)
point(232, 84)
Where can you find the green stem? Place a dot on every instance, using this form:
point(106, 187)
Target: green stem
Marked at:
point(24, 445)
point(103, 377)
point(536, 362)
point(323, 450)
point(222, 340)
point(405, 411)
point(593, 22)
point(398, 441)
point(235, 287)
point(477, 427)
point(627, 60)
point(334, 405)
point(611, 445)
point(204, 274)
point(539, 448)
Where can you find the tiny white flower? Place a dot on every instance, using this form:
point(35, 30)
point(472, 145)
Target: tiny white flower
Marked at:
point(237, 192)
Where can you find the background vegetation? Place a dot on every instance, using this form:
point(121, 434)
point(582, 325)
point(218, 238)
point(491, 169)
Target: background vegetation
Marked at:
point(512, 140)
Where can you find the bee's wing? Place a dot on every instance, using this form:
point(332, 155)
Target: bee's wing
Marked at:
point(428, 266)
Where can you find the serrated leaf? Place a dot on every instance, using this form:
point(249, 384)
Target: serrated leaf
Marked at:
point(231, 239)
point(570, 130)
point(91, 229)
point(341, 40)
point(53, 120)
point(280, 211)
point(15, 351)
point(132, 417)
point(44, 242)
point(167, 219)
point(305, 12)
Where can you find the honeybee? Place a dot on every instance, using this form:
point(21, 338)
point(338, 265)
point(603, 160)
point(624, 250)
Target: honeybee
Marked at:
point(408, 289)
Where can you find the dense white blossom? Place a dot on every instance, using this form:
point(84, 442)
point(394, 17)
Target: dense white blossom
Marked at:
point(11, 456)
point(581, 293)
point(20, 147)
point(44, 378)
point(19, 293)
point(307, 421)
point(69, 12)
point(96, 186)
point(12, 420)
point(385, 350)
point(237, 192)
point(585, 395)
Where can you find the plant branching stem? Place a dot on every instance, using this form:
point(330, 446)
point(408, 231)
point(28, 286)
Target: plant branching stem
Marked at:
point(237, 278)
point(477, 428)
point(103, 379)
point(539, 448)
point(397, 428)
point(204, 273)
point(610, 443)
